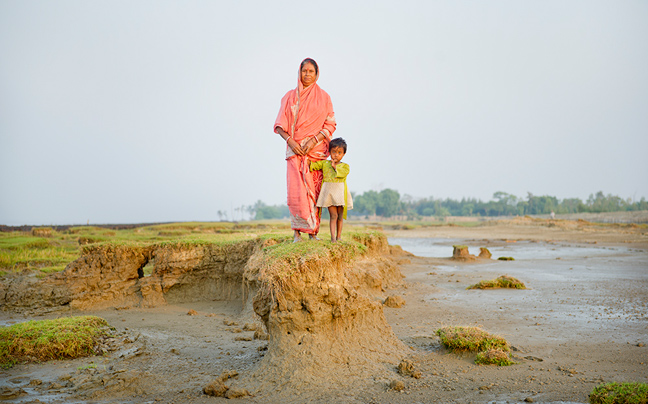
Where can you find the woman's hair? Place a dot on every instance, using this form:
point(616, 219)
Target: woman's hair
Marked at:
point(338, 142)
point(311, 61)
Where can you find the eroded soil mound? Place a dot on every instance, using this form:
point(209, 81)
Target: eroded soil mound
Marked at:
point(326, 318)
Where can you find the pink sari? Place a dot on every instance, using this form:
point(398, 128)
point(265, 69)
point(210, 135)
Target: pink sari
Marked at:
point(304, 113)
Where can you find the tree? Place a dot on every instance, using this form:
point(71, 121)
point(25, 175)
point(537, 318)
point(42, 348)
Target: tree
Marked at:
point(261, 211)
point(388, 202)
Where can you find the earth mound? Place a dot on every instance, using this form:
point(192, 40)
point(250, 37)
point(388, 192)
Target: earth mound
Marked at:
point(325, 318)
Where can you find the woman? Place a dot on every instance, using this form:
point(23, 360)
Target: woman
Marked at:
point(306, 122)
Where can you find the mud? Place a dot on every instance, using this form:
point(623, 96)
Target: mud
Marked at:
point(581, 322)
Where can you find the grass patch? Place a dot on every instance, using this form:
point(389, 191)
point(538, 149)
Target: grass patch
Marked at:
point(506, 259)
point(620, 393)
point(501, 282)
point(491, 349)
point(471, 339)
point(62, 338)
point(494, 356)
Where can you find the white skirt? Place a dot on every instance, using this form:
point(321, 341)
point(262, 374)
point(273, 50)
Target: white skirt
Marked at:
point(332, 194)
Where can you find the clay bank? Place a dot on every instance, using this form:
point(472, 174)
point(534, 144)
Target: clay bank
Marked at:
point(321, 304)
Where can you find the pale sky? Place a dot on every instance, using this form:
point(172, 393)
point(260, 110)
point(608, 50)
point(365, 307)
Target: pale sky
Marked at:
point(154, 111)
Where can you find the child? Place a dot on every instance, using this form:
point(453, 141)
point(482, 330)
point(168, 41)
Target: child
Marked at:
point(334, 194)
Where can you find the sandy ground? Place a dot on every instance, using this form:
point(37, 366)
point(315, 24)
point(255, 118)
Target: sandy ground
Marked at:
point(583, 321)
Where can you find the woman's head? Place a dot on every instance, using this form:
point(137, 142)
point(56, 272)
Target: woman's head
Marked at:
point(308, 72)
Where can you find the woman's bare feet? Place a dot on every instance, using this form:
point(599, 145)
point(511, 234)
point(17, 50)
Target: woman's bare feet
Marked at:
point(313, 237)
point(297, 238)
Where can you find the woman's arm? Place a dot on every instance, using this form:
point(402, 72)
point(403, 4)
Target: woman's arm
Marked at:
point(296, 148)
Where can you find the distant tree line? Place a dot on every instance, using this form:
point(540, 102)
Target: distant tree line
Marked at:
point(389, 202)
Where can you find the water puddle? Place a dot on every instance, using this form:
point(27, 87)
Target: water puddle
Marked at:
point(520, 250)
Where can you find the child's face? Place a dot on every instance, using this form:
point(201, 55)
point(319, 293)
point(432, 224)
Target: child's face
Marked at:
point(336, 154)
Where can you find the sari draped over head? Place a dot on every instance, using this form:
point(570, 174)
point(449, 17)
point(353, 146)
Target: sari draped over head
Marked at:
point(305, 112)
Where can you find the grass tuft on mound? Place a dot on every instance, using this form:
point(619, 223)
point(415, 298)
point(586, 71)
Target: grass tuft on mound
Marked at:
point(491, 349)
point(620, 393)
point(494, 356)
point(42, 340)
point(284, 259)
point(503, 281)
point(471, 339)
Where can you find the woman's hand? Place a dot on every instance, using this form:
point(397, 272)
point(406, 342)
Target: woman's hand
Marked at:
point(310, 143)
point(296, 148)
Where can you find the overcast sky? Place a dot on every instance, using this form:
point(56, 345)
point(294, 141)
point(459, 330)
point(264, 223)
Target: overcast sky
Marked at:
point(150, 111)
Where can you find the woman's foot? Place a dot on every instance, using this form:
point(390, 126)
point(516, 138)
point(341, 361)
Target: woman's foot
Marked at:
point(297, 238)
point(313, 237)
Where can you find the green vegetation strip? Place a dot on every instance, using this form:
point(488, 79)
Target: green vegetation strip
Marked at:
point(46, 250)
point(62, 338)
point(620, 393)
point(502, 282)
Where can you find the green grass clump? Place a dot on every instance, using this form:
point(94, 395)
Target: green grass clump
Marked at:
point(620, 393)
point(494, 356)
point(62, 338)
point(490, 349)
point(503, 282)
point(506, 259)
point(471, 339)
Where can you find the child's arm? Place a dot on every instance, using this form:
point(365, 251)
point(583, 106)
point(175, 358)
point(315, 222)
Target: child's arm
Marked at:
point(342, 170)
point(316, 165)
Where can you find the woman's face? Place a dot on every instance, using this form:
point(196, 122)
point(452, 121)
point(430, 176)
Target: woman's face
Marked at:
point(308, 74)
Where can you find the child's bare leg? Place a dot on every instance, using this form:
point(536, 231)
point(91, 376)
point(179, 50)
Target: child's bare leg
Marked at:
point(340, 220)
point(333, 222)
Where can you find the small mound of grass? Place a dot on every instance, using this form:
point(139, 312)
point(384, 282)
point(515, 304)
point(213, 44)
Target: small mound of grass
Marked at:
point(620, 393)
point(506, 259)
point(62, 338)
point(503, 281)
point(494, 356)
point(471, 339)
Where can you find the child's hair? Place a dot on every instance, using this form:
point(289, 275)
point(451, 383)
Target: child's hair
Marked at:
point(338, 142)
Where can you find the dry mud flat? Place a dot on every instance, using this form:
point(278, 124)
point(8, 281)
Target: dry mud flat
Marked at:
point(583, 321)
